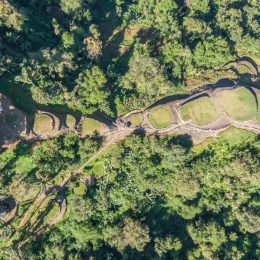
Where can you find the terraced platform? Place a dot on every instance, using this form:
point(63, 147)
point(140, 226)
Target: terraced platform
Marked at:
point(202, 114)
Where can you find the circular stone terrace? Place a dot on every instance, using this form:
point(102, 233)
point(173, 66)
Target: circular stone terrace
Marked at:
point(201, 115)
point(212, 109)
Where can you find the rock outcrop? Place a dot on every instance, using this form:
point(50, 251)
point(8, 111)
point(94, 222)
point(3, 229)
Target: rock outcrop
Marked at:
point(12, 122)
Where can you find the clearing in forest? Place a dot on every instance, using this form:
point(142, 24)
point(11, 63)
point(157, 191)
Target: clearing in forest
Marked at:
point(201, 111)
point(239, 104)
point(43, 124)
point(80, 189)
point(90, 126)
point(160, 117)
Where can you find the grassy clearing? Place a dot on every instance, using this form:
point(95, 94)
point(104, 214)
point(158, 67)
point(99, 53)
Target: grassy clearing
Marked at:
point(239, 104)
point(70, 121)
point(201, 111)
point(80, 189)
point(233, 136)
point(90, 126)
point(243, 69)
point(160, 117)
point(254, 58)
point(42, 124)
point(98, 168)
point(57, 180)
point(135, 119)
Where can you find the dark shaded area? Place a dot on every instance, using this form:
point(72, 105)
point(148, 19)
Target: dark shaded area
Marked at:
point(183, 140)
point(7, 204)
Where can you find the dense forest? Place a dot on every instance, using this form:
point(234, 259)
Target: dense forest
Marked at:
point(154, 199)
point(115, 56)
point(146, 197)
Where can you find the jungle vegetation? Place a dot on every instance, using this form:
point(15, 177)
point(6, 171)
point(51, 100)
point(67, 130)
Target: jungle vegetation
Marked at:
point(152, 197)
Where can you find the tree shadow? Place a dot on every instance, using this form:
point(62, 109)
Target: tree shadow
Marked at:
point(184, 141)
point(37, 28)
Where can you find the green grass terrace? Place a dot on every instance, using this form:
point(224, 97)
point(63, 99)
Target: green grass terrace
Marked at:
point(201, 111)
point(239, 104)
point(90, 126)
point(43, 124)
point(135, 120)
point(160, 117)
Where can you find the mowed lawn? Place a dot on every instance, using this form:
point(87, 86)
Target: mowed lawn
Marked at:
point(239, 104)
point(201, 111)
point(90, 126)
point(160, 117)
point(43, 124)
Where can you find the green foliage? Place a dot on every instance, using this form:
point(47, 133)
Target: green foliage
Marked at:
point(195, 27)
point(55, 43)
point(90, 92)
point(158, 14)
point(211, 53)
point(199, 6)
point(24, 165)
point(209, 237)
point(153, 198)
point(70, 6)
point(164, 245)
point(132, 234)
point(68, 40)
point(145, 80)
point(179, 59)
point(230, 20)
point(11, 16)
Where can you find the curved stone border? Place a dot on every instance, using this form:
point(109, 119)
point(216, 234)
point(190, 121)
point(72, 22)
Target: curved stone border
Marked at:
point(120, 127)
point(250, 89)
point(223, 120)
point(126, 119)
point(146, 115)
point(244, 62)
point(55, 124)
point(78, 127)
